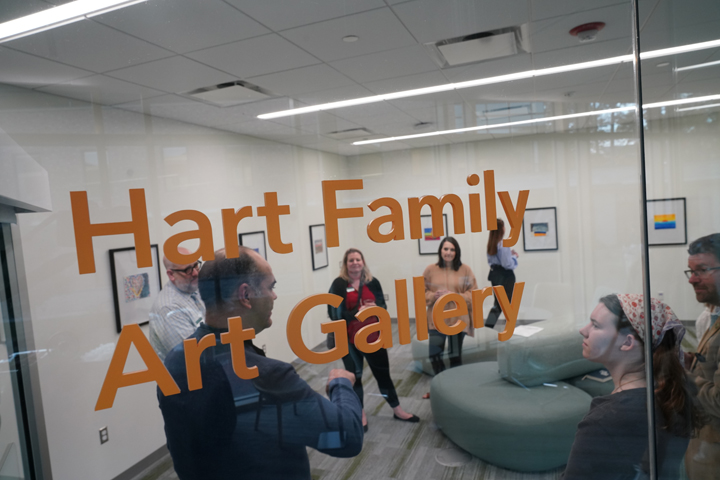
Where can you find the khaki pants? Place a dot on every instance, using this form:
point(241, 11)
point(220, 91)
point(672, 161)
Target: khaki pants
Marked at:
point(702, 460)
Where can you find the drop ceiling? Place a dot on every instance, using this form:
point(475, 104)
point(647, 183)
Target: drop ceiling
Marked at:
point(147, 57)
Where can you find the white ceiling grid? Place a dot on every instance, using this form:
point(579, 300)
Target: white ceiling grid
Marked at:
point(145, 57)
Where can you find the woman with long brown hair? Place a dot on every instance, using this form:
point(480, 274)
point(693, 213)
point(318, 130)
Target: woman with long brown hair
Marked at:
point(612, 439)
point(503, 262)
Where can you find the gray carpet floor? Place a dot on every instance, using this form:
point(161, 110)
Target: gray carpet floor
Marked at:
point(394, 450)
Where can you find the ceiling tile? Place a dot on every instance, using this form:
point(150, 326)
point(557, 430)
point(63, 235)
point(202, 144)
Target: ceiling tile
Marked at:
point(377, 30)
point(334, 94)
point(255, 56)
point(302, 80)
point(375, 115)
point(542, 9)
point(319, 122)
point(184, 25)
point(582, 53)
point(29, 71)
point(101, 90)
point(281, 14)
point(173, 75)
point(89, 45)
point(185, 109)
point(431, 20)
point(407, 82)
point(387, 64)
point(554, 33)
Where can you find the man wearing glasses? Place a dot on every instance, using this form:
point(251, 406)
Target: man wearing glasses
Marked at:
point(702, 459)
point(178, 309)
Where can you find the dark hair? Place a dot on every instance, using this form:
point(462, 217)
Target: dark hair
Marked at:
point(220, 279)
point(675, 394)
point(456, 263)
point(707, 244)
point(495, 237)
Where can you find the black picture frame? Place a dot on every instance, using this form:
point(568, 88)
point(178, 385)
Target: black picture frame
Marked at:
point(318, 246)
point(255, 241)
point(136, 304)
point(546, 216)
point(430, 247)
point(677, 235)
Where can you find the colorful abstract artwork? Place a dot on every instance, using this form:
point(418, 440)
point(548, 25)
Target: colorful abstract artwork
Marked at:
point(667, 221)
point(539, 229)
point(136, 287)
point(427, 234)
point(664, 221)
point(318, 250)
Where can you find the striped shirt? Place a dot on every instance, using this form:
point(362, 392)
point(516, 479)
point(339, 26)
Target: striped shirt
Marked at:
point(174, 316)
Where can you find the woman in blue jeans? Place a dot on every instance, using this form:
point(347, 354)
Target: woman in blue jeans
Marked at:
point(361, 290)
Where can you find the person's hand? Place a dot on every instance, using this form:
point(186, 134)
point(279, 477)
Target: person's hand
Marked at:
point(514, 253)
point(440, 293)
point(366, 305)
point(688, 357)
point(339, 373)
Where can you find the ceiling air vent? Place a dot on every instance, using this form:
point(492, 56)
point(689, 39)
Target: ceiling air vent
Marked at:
point(477, 47)
point(229, 94)
point(349, 133)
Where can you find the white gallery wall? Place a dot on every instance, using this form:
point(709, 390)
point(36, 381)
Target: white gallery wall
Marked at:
point(591, 177)
point(106, 152)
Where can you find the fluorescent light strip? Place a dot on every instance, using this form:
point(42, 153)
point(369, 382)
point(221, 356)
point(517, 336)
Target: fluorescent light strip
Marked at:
point(58, 16)
point(698, 108)
point(496, 125)
point(682, 101)
point(491, 80)
point(544, 119)
point(699, 65)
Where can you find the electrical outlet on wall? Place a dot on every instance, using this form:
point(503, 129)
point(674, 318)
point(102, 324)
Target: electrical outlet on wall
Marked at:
point(104, 435)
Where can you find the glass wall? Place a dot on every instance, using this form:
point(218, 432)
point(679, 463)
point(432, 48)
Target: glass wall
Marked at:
point(303, 129)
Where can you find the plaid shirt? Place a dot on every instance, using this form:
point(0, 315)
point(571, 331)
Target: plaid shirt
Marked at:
point(174, 316)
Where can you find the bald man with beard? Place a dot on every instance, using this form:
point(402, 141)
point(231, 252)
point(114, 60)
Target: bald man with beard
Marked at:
point(178, 310)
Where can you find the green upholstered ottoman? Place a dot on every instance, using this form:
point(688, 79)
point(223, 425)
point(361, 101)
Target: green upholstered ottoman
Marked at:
point(553, 353)
point(522, 429)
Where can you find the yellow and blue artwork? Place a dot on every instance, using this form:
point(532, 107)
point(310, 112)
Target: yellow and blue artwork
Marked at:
point(664, 221)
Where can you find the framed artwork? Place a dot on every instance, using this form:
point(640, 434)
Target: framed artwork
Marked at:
point(254, 241)
point(540, 229)
point(318, 247)
point(667, 223)
point(428, 244)
point(134, 289)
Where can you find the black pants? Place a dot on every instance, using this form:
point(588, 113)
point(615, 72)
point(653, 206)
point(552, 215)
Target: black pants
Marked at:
point(499, 276)
point(380, 367)
point(437, 347)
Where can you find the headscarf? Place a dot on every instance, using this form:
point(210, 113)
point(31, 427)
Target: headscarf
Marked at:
point(663, 318)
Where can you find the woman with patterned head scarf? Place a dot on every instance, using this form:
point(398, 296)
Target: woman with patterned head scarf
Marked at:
point(612, 439)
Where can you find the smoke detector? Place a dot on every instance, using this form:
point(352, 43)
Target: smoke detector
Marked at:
point(587, 32)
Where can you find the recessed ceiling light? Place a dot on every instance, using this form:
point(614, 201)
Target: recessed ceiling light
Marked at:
point(662, 64)
point(351, 38)
point(58, 16)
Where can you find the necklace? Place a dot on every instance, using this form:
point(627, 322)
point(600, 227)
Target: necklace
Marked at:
point(619, 387)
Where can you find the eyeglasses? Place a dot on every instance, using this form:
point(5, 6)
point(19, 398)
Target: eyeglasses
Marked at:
point(701, 272)
point(189, 270)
